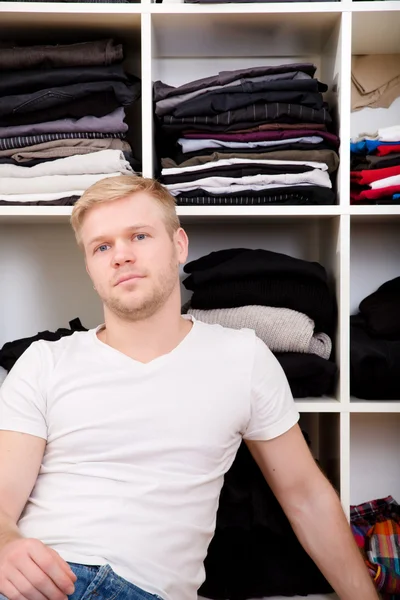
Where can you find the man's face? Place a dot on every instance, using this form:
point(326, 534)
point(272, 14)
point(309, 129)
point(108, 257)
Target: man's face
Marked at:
point(130, 257)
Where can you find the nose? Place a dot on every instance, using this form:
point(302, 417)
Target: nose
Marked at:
point(123, 254)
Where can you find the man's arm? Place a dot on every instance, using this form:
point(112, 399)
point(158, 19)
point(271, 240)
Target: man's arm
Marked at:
point(28, 569)
point(314, 511)
point(20, 458)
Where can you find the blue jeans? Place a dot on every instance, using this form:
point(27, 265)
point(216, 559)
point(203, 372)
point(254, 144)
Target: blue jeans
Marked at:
point(101, 583)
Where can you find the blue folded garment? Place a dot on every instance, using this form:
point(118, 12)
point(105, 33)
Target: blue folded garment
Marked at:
point(369, 146)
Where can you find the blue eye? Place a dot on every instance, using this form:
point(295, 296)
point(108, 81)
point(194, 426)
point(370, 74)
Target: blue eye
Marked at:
point(141, 236)
point(101, 248)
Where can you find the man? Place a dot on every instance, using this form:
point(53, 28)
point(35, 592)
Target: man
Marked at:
point(114, 442)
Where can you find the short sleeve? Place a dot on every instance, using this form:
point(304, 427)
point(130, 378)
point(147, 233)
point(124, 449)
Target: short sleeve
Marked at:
point(22, 400)
point(273, 410)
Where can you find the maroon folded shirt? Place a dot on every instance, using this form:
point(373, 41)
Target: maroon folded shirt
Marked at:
point(264, 136)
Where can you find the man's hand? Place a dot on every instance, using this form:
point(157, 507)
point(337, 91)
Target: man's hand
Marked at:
point(29, 570)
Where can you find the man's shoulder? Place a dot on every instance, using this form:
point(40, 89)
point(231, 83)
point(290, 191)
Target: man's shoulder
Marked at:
point(69, 344)
point(227, 336)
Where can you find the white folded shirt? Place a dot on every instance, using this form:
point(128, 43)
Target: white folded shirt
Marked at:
point(315, 177)
point(23, 198)
point(52, 183)
point(386, 182)
point(239, 161)
point(94, 163)
point(384, 134)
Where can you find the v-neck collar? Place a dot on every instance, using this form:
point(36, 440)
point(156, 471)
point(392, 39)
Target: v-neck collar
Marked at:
point(155, 361)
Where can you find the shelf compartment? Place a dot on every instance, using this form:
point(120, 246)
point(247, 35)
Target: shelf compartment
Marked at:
point(374, 256)
point(374, 452)
point(220, 34)
point(60, 23)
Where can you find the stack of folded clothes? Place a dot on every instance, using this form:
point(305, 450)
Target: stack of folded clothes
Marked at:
point(62, 128)
point(286, 301)
point(375, 167)
point(255, 136)
point(375, 345)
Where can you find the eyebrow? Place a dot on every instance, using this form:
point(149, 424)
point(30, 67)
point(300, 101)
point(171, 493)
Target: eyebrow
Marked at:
point(130, 229)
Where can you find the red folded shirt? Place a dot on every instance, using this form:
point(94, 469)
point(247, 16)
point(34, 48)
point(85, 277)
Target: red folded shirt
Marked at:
point(374, 194)
point(387, 149)
point(369, 175)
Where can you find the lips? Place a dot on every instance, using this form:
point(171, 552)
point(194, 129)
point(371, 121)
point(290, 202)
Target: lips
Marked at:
point(128, 277)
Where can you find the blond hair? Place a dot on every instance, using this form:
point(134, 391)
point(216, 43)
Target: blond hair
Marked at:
point(115, 188)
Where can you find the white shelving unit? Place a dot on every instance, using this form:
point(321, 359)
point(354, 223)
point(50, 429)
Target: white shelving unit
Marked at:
point(43, 280)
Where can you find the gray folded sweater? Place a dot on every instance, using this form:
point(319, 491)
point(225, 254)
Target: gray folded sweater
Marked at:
point(282, 329)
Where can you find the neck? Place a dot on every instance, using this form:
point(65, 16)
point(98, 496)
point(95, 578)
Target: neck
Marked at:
point(146, 339)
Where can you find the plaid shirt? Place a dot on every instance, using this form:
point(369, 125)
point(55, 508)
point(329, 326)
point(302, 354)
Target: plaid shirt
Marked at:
point(376, 528)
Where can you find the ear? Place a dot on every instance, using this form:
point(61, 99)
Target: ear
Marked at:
point(182, 245)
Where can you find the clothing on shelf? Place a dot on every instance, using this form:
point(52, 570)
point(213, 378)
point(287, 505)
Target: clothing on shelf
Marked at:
point(328, 157)
point(272, 72)
point(103, 161)
point(281, 329)
point(308, 375)
point(37, 200)
point(240, 276)
point(112, 123)
point(376, 529)
point(375, 345)
point(381, 311)
point(375, 80)
point(63, 106)
point(94, 53)
point(63, 148)
point(293, 195)
point(286, 301)
point(254, 552)
point(375, 167)
point(247, 137)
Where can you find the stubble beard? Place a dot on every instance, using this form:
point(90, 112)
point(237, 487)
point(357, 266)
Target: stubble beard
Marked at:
point(145, 307)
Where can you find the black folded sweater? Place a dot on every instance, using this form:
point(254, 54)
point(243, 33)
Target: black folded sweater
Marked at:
point(374, 364)
point(381, 311)
point(308, 374)
point(240, 276)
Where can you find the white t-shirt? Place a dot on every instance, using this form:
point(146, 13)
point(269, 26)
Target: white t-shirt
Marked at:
point(136, 453)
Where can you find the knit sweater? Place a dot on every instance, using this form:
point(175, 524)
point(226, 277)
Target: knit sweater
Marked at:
point(281, 329)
